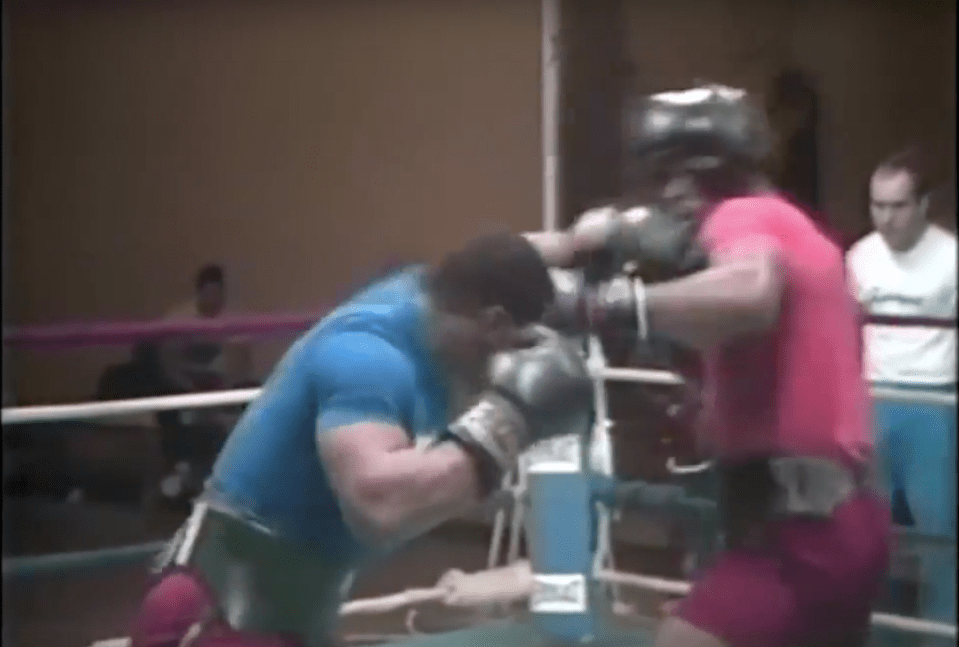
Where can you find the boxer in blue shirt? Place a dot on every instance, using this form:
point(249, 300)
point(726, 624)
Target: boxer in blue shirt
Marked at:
point(325, 471)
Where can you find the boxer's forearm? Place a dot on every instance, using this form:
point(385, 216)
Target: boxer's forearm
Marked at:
point(556, 247)
point(407, 492)
point(717, 305)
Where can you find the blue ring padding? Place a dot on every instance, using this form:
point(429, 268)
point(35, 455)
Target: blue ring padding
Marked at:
point(561, 531)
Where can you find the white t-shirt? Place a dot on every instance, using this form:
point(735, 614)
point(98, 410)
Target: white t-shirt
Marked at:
point(918, 283)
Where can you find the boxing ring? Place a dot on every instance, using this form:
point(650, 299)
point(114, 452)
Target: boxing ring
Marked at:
point(563, 498)
point(571, 591)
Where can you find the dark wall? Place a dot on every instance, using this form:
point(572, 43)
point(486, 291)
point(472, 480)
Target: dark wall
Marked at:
point(592, 98)
point(884, 71)
point(300, 144)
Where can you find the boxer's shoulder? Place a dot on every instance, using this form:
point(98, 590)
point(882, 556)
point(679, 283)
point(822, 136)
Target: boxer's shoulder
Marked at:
point(360, 349)
point(767, 207)
point(943, 244)
point(738, 218)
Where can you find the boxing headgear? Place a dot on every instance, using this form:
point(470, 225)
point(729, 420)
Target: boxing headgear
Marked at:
point(707, 125)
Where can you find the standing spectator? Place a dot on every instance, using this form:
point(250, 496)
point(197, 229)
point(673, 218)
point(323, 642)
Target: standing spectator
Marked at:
point(907, 267)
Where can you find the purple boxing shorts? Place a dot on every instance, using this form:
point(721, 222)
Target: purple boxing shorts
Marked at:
point(813, 582)
point(179, 601)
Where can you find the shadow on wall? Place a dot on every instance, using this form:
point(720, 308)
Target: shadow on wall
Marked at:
point(942, 207)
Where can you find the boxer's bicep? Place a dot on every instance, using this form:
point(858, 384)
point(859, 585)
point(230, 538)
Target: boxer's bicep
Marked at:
point(738, 295)
point(351, 456)
point(362, 384)
point(756, 265)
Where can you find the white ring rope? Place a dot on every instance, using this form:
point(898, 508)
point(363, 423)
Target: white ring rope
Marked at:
point(515, 583)
point(455, 588)
point(601, 458)
point(119, 408)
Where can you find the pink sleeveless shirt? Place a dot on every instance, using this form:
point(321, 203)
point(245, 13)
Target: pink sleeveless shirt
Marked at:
point(796, 389)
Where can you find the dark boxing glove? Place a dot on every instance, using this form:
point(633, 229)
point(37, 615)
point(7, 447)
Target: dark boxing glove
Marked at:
point(617, 305)
point(613, 308)
point(609, 306)
point(661, 245)
point(535, 393)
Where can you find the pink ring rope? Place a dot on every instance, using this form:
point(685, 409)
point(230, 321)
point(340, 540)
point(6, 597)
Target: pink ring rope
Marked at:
point(74, 335)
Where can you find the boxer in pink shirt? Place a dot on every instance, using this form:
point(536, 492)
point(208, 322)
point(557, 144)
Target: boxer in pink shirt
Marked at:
point(762, 293)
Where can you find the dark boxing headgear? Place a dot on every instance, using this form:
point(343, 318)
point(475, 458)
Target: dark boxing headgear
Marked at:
point(707, 125)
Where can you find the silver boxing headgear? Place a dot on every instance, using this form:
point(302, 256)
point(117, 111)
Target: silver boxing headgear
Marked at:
point(707, 125)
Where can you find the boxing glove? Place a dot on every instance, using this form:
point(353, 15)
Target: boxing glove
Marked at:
point(607, 307)
point(567, 313)
point(534, 393)
point(661, 245)
point(617, 304)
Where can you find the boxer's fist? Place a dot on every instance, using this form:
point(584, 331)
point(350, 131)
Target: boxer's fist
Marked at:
point(605, 307)
point(611, 305)
point(535, 393)
point(595, 228)
point(550, 382)
point(662, 245)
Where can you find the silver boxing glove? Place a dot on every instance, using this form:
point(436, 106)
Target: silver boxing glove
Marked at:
point(535, 393)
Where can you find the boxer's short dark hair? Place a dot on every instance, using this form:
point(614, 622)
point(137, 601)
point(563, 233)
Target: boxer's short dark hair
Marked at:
point(502, 269)
point(910, 161)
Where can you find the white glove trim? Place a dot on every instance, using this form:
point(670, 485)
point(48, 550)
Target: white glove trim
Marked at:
point(642, 315)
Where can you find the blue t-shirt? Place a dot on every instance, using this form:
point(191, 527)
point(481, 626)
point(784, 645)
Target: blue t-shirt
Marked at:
point(368, 360)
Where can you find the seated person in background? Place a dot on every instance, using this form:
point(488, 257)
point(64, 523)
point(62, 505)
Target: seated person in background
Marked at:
point(197, 364)
point(140, 377)
point(907, 267)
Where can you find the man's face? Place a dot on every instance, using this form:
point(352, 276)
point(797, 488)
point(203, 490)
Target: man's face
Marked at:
point(895, 209)
point(675, 185)
point(681, 195)
point(210, 299)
